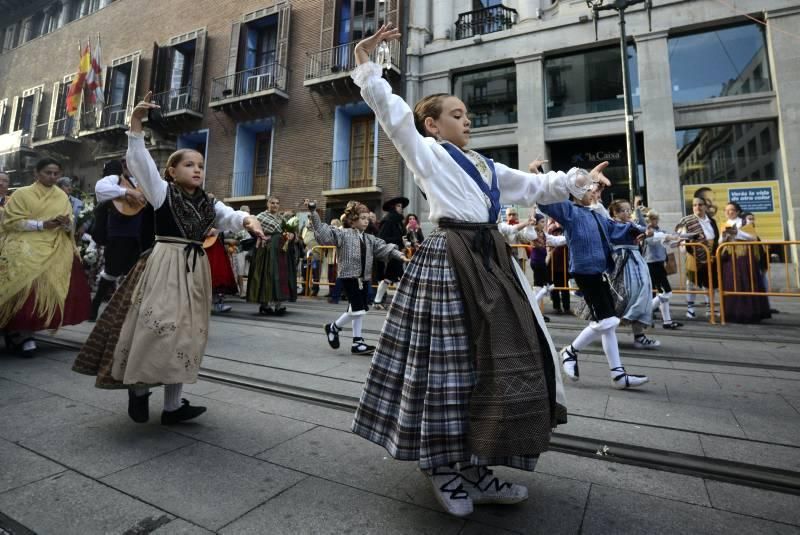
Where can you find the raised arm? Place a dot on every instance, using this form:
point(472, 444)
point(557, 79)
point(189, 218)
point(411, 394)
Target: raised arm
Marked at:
point(383, 251)
point(623, 233)
point(139, 161)
point(325, 234)
point(227, 219)
point(519, 187)
point(561, 212)
point(108, 188)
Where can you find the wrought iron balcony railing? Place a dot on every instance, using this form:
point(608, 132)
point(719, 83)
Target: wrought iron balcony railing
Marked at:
point(250, 81)
point(179, 99)
point(348, 174)
point(487, 20)
point(111, 115)
point(244, 183)
point(340, 59)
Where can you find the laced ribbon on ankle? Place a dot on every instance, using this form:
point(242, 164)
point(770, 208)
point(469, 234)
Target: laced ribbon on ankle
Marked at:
point(457, 493)
point(572, 356)
point(483, 473)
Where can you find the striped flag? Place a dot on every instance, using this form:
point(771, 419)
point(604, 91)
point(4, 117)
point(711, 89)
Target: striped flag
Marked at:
point(94, 79)
point(76, 89)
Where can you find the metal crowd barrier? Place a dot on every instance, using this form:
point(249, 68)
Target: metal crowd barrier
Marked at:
point(757, 277)
point(326, 251)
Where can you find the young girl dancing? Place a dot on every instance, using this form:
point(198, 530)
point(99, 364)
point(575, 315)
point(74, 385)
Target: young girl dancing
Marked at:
point(590, 237)
point(463, 376)
point(155, 329)
point(356, 251)
point(655, 254)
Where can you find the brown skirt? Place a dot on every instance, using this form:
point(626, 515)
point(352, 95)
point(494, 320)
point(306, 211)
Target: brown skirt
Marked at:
point(513, 407)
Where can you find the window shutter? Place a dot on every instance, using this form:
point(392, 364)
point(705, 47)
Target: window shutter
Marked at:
point(37, 104)
point(328, 24)
point(196, 91)
point(3, 106)
point(284, 17)
point(156, 85)
point(233, 53)
point(14, 110)
point(55, 100)
point(134, 78)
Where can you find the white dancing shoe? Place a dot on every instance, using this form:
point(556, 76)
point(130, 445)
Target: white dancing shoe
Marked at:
point(449, 490)
point(624, 380)
point(569, 362)
point(484, 488)
point(643, 342)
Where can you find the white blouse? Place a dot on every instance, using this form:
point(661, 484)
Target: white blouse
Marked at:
point(108, 188)
point(154, 187)
point(451, 192)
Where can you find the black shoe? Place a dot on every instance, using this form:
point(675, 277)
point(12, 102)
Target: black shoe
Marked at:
point(359, 347)
point(139, 407)
point(558, 311)
point(280, 311)
point(546, 319)
point(673, 325)
point(186, 412)
point(265, 310)
point(332, 334)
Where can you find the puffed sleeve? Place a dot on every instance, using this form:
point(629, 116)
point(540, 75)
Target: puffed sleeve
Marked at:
point(227, 219)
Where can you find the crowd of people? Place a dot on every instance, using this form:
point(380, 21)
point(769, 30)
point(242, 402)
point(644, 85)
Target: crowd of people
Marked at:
point(464, 374)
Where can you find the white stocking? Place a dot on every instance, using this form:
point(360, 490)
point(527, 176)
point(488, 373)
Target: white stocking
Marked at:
point(172, 397)
point(586, 337)
point(611, 349)
point(357, 322)
point(343, 319)
point(381, 292)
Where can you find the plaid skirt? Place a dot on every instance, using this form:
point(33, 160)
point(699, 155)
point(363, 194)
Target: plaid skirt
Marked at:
point(416, 397)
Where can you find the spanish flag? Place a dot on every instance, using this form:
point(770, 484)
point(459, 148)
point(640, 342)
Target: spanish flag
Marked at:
point(76, 89)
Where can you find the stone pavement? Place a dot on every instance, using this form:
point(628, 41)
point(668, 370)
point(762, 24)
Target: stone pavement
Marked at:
point(72, 462)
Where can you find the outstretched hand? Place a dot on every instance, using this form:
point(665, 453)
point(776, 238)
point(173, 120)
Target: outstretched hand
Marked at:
point(140, 112)
point(253, 226)
point(598, 176)
point(534, 166)
point(365, 47)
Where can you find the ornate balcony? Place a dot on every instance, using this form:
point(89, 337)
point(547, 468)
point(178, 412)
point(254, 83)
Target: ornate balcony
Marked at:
point(350, 177)
point(111, 120)
point(58, 135)
point(180, 106)
point(328, 71)
point(487, 20)
point(260, 87)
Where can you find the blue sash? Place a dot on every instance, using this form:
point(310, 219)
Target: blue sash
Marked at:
point(492, 193)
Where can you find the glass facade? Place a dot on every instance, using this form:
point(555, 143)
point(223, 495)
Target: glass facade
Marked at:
point(588, 82)
point(718, 63)
point(728, 153)
point(490, 95)
point(505, 155)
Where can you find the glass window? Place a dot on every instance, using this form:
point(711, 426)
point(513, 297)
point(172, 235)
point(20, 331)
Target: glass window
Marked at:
point(490, 95)
point(359, 19)
point(766, 141)
point(589, 82)
point(719, 63)
point(713, 154)
point(505, 155)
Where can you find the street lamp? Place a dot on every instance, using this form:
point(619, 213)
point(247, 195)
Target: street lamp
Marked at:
point(630, 134)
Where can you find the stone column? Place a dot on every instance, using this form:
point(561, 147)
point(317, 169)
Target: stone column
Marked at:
point(526, 9)
point(785, 69)
point(530, 110)
point(657, 121)
point(443, 19)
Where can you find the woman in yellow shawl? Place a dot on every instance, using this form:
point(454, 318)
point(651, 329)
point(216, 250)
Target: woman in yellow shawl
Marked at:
point(42, 285)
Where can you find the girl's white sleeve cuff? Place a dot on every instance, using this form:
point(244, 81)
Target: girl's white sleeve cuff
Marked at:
point(364, 72)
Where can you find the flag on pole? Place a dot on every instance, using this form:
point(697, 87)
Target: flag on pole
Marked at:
point(94, 78)
point(76, 89)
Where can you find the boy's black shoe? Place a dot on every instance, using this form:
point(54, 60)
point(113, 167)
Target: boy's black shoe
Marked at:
point(186, 412)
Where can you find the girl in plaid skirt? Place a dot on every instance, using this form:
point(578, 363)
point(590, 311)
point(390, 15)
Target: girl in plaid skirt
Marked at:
point(463, 376)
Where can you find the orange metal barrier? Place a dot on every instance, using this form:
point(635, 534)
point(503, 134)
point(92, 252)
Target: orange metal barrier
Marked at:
point(755, 272)
point(682, 288)
point(325, 251)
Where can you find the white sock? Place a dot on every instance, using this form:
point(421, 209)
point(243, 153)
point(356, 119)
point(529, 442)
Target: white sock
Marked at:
point(586, 337)
point(656, 301)
point(663, 306)
point(381, 292)
point(172, 397)
point(139, 392)
point(611, 349)
point(343, 319)
point(540, 294)
point(357, 322)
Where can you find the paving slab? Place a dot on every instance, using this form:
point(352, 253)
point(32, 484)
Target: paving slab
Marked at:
point(794, 401)
point(31, 418)
point(203, 484)
point(635, 434)
point(586, 401)
point(768, 385)
point(751, 452)
point(240, 429)
point(727, 399)
point(101, 447)
point(348, 459)
point(12, 392)
point(69, 503)
point(779, 426)
point(776, 506)
point(671, 415)
point(21, 466)
point(323, 507)
point(307, 412)
point(622, 476)
point(555, 505)
point(618, 511)
point(180, 527)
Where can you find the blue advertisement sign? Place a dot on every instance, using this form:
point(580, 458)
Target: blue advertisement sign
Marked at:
point(753, 199)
